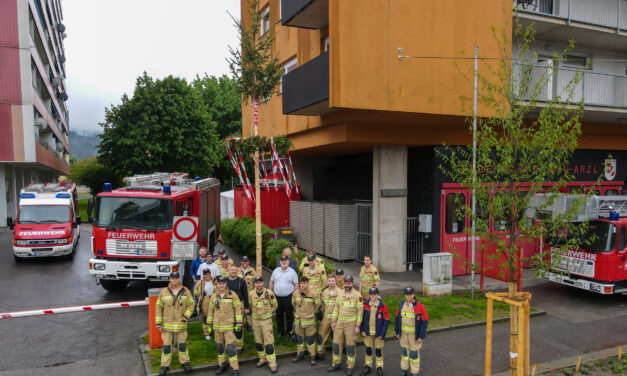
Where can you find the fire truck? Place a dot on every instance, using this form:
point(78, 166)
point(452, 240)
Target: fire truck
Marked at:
point(601, 266)
point(132, 236)
point(47, 221)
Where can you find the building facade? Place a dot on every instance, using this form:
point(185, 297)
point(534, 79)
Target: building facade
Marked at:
point(366, 124)
point(34, 127)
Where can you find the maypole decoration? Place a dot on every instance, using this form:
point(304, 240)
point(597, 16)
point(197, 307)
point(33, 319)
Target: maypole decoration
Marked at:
point(276, 150)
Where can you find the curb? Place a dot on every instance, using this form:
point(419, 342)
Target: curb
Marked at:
point(208, 367)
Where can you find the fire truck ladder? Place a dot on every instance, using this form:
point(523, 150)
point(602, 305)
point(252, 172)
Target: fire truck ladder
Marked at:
point(48, 188)
point(608, 204)
point(156, 178)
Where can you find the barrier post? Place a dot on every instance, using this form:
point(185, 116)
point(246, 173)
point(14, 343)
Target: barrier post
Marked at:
point(154, 333)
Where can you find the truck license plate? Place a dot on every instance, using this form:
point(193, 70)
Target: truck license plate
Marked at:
point(42, 251)
point(146, 252)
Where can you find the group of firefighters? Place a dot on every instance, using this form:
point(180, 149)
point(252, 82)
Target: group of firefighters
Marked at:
point(323, 304)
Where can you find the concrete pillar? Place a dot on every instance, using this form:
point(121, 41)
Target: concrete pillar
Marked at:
point(389, 206)
point(3, 196)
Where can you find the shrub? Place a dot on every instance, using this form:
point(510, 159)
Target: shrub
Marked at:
point(273, 252)
point(239, 234)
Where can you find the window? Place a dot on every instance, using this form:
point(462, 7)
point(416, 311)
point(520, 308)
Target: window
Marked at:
point(265, 20)
point(289, 66)
point(621, 244)
point(611, 192)
point(190, 206)
point(454, 203)
point(576, 61)
point(326, 43)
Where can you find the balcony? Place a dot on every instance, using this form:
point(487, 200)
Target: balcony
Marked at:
point(307, 14)
point(306, 89)
point(604, 95)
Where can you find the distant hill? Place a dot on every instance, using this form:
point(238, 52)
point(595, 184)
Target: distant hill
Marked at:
point(83, 145)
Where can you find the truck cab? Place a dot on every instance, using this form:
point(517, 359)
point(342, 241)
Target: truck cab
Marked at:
point(47, 222)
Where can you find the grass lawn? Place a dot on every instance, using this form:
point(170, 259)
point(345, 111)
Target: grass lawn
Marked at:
point(606, 367)
point(82, 210)
point(443, 311)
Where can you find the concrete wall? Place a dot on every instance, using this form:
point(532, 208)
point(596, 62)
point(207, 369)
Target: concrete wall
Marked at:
point(388, 213)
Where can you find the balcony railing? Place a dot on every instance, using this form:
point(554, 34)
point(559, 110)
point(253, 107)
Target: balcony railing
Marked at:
point(306, 88)
point(594, 88)
point(607, 13)
point(308, 14)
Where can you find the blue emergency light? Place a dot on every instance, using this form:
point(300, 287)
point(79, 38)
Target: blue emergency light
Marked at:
point(167, 190)
point(614, 215)
point(27, 195)
point(63, 195)
point(197, 178)
point(106, 187)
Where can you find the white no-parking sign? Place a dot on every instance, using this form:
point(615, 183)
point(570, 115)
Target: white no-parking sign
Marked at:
point(184, 238)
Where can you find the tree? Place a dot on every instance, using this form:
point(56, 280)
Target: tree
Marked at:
point(93, 175)
point(521, 146)
point(165, 126)
point(223, 100)
point(258, 74)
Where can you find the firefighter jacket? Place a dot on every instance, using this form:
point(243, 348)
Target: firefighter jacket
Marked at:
point(225, 312)
point(262, 305)
point(381, 321)
point(340, 284)
point(411, 318)
point(306, 304)
point(248, 277)
point(317, 261)
point(201, 296)
point(328, 301)
point(369, 277)
point(173, 312)
point(348, 309)
point(317, 278)
point(224, 272)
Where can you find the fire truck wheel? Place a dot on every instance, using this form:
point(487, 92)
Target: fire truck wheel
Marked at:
point(18, 259)
point(113, 285)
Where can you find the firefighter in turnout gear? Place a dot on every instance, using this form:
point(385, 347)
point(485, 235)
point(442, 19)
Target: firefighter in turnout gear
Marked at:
point(329, 295)
point(225, 315)
point(306, 303)
point(202, 291)
point(262, 303)
point(410, 327)
point(368, 277)
point(316, 273)
point(174, 309)
point(374, 326)
point(248, 274)
point(225, 265)
point(307, 262)
point(346, 323)
point(339, 278)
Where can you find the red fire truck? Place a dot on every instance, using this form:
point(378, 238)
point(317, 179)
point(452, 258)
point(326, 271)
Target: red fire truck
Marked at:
point(133, 226)
point(601, 266)
point(47, 221)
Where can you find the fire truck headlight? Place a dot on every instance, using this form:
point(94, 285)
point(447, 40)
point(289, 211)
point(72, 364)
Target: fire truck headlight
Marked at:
point(20, 242)
point(99, 266)
point(594, 287)
point(164, 268)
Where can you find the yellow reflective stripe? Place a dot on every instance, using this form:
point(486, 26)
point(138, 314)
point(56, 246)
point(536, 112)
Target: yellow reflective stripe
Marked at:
point(174, 326)
point(408, 314)
point(224, 327)
point(329, 302)
point(303, 322)
point(188, 313)
point(348, 318)
point(159, 302)
point(262, 317)
point(410, 329)
point(238, 317)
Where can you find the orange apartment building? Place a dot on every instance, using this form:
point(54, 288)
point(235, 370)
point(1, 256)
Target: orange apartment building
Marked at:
point(34, 122)
point(365, 124)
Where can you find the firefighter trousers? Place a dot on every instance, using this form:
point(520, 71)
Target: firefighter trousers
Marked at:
point(410, 353)
point(324, 330)
point(225, 344)
point(344, 336)
point(374, 349)
point(306, 335)
point(166, 351)
point(264, 340)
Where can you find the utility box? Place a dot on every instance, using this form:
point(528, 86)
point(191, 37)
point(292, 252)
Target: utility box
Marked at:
point(424, 223)
point(437, 274)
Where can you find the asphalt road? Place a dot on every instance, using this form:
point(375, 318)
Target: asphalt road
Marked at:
point(106, 342)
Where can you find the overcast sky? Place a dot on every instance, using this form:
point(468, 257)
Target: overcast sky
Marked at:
point(109, 43)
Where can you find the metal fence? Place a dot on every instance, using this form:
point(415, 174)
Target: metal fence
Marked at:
point(413, 241)
point(607, 13)
point(363, 220)
point(594, 88)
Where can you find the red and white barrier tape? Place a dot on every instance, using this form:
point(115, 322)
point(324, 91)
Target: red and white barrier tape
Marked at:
point(94, 307)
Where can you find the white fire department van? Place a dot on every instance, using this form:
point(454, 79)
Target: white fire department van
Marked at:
point(47, 221)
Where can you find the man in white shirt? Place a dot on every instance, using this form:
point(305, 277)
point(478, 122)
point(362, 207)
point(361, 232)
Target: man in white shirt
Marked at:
point(283, 282)
point(208, 264)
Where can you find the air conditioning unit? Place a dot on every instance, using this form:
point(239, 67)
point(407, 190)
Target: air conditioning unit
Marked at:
point(62, 58)
point(62, 96)
point(57, 81)
point(60, 27)
point(40, 123)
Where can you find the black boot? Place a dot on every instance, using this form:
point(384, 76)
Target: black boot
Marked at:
point(235, 373)
point(379, 371)
point(349, 372)
point(337, 367)
point(403, 372)
point(299, 357)
point(320, 356)
point(187, 367)
point(312, 360)
point(163, 371)
point(366, 371)
point(222, 368)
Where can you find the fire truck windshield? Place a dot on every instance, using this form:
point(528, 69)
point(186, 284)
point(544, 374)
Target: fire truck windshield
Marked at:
point(600, 237)
point(44, 214)
point(134, 212)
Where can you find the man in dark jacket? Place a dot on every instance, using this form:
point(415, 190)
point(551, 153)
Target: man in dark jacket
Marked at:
point(238, 286)
point(410, 327)
point(374, 326)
